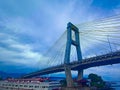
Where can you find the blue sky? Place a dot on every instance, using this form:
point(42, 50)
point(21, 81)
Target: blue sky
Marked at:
point(29, 27)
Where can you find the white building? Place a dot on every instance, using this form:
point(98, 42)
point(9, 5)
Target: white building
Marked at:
point(28, 84)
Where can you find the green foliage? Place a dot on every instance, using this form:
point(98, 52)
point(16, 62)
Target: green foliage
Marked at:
point(63, 83)
point(96, 80)
point(1, 78)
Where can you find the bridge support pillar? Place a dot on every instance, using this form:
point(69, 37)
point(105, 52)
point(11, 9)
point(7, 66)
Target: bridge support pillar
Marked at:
point(72, 31)
point(80, 74)
point(68, 76)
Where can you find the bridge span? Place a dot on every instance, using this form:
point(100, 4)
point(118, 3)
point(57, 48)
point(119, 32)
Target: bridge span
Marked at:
point(107, 59)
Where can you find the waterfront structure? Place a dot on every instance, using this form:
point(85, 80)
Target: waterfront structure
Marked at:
point(29, 84)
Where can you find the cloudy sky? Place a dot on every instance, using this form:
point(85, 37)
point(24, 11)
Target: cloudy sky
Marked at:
point(29, 27)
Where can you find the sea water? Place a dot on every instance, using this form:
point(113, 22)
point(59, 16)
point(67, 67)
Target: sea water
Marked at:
point(116, 85)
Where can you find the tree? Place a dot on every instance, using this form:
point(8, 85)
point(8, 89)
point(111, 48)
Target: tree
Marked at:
point(63, 83)
point(96, 80)
point(1, 78)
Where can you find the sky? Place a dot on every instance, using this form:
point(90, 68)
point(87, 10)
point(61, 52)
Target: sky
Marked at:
point(29, 27)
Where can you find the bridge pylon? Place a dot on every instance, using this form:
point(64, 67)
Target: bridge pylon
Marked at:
point(72, 29)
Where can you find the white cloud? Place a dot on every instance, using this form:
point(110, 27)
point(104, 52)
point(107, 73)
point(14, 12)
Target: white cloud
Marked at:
point(109, 72)
point(19, 54)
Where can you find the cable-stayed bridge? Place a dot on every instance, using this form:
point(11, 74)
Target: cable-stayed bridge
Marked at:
point(83, 46)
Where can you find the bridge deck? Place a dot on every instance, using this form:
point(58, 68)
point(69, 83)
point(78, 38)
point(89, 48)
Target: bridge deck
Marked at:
point(107, 59)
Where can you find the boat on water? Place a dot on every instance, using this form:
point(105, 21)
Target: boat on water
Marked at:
point(29, 84)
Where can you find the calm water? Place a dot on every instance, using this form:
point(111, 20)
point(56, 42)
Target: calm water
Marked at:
point(116, 85)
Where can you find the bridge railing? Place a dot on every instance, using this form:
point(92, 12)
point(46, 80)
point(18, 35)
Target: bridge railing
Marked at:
point(105, 56)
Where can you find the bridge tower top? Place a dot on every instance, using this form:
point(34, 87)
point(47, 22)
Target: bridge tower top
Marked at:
point(72, 29)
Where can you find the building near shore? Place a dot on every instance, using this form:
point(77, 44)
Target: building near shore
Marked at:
point(29, 84)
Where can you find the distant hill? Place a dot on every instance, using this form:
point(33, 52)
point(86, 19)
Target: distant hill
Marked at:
point(5, 75)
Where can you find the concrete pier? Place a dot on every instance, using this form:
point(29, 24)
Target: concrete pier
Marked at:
point(69, 76)
point(80, 74)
